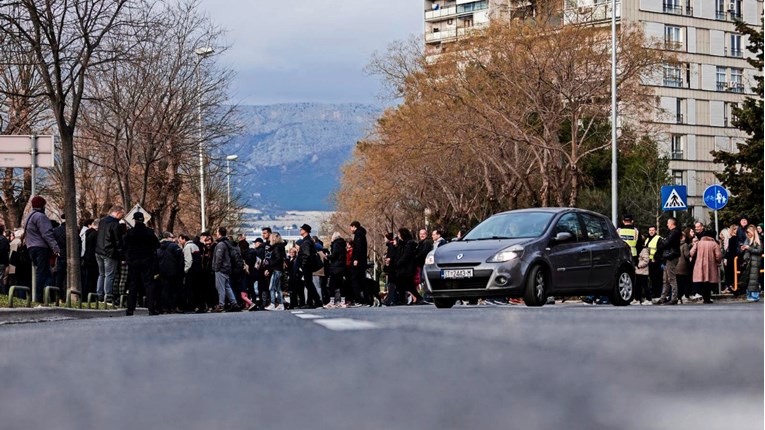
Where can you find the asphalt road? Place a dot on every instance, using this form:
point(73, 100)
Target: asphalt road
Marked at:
point(568, 366)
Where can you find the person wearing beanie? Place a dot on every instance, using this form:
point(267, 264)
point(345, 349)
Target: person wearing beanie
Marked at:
point(38, 237)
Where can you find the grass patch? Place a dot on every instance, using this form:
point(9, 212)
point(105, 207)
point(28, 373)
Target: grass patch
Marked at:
point(20, 303)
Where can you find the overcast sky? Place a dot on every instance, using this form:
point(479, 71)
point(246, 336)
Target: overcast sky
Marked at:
point(309, 50)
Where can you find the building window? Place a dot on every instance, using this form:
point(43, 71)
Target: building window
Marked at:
point(673, 75)
point(677, 177)
point(736, 83)
point(722, 81)
point(672, 6)
point(672, 38)
point(677, 148)
point(734, 48)
point(734, 9)
point(679, 111)
point(720, 9)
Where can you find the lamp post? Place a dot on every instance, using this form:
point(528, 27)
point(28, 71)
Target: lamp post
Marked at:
point(201, 53)
point(229, 159)
point(614, 152)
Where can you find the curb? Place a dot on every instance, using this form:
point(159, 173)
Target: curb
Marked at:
point(33, 315)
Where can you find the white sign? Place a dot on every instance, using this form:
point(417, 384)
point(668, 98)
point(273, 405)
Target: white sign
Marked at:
point(16, 151)
point(137, 208)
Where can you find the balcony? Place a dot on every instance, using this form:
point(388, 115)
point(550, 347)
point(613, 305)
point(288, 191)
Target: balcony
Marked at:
point(673, 45)
point(676, 9)
point(436, 36)
point(593, 13)
point(439, 14)
point(673, 82)
point(733, 53)
point(677, 155)
point(472, 7)
point(735, 87)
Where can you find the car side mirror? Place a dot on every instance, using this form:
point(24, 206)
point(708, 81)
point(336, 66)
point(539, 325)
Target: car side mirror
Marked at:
point(563, 236)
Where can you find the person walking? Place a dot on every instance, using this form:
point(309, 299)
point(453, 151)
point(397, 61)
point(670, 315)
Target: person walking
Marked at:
point(655, 272)
point(359, 262)
point(336, 269)
point(275, 270)
point(140, 247)
point(751, 254)
point(307, 255)
point(40, 242)
point(706, 270)
point(406, 266)
point(109, 251)
point(222, 267)
point(668, 252)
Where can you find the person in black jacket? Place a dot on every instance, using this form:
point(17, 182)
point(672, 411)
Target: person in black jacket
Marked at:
point(141, 246)
point(306, 258)
point(337, 256)
point(389, 268)
point(406, 266)
point(5, 252)
point(359, 262)
point(89, 263)
point(170, 267)
point(109, 250)
point(669, 252)
point(274, 268)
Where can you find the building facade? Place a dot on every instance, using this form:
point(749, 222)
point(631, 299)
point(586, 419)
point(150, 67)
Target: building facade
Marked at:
point(695, 98)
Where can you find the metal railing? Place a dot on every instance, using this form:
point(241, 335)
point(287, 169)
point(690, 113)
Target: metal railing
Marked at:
point(673, 45)
point(680, 119)
point(440, 13)
point(673, 82)
point(722, 86)
point(736, 272)
point(733, 52)
point(735, 87)
point(677, 155)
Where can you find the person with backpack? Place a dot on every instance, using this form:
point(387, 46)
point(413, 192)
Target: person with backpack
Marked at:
point(222, 267)
point(309, 262)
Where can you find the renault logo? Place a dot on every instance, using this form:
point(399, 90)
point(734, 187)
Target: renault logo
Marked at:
point(459, 256)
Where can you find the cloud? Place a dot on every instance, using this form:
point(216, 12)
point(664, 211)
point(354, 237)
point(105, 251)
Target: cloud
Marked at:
point(303, 50)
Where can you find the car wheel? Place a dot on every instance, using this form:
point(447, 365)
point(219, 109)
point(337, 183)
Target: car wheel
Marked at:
point(623, 288)
point(444, 303)
point(536, 287)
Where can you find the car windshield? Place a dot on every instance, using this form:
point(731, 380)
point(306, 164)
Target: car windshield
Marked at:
point(513, 225)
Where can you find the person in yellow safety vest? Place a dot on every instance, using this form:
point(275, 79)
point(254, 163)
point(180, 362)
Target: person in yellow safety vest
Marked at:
point(655, 272)
point(629, 234)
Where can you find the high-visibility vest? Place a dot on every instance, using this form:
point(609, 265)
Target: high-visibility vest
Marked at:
point(652, 244)
point(630, 236)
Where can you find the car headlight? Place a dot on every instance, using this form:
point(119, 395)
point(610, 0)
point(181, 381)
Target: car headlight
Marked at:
point(431, 258)
point(507, 254)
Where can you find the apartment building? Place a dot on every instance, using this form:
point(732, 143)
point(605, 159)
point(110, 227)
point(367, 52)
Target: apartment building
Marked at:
point(695, 97)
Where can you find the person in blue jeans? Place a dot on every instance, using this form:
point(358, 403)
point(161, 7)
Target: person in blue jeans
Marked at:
point(109, 251)
point(38, 236)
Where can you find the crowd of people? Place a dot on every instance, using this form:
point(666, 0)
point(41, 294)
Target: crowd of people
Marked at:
point(685, 265)
point(215, 272)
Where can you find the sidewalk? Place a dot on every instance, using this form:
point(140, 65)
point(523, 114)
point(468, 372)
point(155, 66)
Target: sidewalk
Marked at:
point(43, 314)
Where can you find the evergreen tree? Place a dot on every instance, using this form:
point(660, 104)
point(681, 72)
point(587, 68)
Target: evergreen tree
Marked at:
point(743, 171)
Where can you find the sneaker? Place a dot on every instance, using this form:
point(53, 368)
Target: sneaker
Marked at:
point(696, 297)
point(270, 307)
point(646, 303)
point(329, 305)
point(516, 301)
point(217, 309)
point(550, 301)
point(279, 308)
point(253, 307)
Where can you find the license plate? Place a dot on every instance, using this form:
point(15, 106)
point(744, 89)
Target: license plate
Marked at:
point(457, 274)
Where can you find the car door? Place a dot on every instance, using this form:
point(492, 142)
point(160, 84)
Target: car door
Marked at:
point(603, 249)
point(571, 259)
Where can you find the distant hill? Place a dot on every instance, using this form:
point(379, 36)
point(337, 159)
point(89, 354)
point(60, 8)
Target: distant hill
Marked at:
point(290, 154)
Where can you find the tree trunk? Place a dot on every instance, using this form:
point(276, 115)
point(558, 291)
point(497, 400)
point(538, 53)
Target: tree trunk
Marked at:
point(70, 209)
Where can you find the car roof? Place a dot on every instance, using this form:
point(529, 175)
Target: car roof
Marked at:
point(552, 210)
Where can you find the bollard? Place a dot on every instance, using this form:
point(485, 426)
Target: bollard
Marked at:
point(20, 288)
point(109, 299)
point(93, 298)
point(46, 295)
point(69, 298)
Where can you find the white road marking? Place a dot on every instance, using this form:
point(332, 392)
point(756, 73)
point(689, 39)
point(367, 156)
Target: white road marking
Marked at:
point(343, 324)
point(308, 316)
point(297, 312)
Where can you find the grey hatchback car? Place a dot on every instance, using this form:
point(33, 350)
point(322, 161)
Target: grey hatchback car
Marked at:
point(533, 254)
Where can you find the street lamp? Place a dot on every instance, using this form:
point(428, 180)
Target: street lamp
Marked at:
point(614, 152)
point(201, 53)
point(229, 159)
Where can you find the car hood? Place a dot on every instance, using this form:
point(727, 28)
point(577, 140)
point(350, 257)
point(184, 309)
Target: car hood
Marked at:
point(474, 251)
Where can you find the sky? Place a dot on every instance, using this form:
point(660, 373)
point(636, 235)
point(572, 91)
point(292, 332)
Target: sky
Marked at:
point(309, 51)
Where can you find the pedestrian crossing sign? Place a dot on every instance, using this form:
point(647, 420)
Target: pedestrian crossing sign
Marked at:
point(674, 198)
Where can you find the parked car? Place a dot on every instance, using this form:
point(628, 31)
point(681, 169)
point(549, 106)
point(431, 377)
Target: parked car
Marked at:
point(533, 254)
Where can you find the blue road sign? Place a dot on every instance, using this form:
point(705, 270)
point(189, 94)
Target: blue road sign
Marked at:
point(715, 197)
point(674, 198)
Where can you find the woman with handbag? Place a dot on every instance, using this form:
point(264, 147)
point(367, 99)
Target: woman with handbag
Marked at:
point(751, 251)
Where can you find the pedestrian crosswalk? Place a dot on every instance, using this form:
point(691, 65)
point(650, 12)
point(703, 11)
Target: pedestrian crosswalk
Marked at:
point(337, 324)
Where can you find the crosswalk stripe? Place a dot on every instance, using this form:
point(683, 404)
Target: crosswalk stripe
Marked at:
point(343, 324)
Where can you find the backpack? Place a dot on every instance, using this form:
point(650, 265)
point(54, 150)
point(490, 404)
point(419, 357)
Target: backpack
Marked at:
point(237, 262)
point(315, 263)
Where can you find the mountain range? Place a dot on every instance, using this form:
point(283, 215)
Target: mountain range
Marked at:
point(290, 155)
